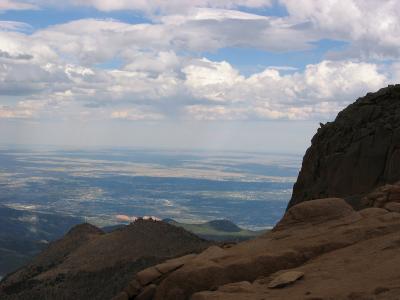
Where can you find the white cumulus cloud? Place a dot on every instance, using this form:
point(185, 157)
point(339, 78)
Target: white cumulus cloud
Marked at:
point(169, 6)
point(371, 27)
point(16, 5)
point(156, 70)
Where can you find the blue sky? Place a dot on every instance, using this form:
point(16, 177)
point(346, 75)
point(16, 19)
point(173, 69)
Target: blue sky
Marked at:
point(125, 70)
point(42, 18)
point(248, 60)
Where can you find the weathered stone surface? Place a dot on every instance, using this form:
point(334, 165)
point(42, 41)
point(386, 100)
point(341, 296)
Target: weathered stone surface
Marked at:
point(174, 264)
point(393, 207)
point(237, 287)
point(347, 245)
point(133, 289)
point(147, 275)
point(232, 289)
point(147, 293)
point(357, 152)
point(332, 255)
point(372, 212)
point(380, 196)
point(168, 267)
point(285, 279)
point(316, 211)
point(211, 253)
point(390, 217)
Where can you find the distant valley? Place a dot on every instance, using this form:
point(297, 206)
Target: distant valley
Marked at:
point(250, 189)
point(44, 192)
point(24, 234)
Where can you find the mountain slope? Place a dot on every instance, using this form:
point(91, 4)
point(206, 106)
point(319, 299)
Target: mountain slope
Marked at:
point(23, 234)
point(90, 264)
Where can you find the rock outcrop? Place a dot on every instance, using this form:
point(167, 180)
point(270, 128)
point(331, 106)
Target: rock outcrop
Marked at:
point(284, 279)
point(90, 264)
point(356, 153)
point(346, 255)
point(387, 196)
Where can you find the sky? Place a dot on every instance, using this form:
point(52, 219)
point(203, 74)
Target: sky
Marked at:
point(254, 75)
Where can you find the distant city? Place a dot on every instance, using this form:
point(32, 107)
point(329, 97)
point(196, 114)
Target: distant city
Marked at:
point(111, 186)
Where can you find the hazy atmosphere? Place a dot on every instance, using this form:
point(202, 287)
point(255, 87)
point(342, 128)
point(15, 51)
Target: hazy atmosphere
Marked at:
point(254, 75)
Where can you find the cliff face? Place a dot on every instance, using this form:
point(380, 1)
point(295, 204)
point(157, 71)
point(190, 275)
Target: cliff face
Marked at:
point(357, 152)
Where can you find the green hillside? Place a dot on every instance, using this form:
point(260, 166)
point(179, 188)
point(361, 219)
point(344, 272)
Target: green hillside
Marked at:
point(218, 230)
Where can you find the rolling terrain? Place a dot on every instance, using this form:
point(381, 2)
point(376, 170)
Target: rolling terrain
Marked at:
point(218, 230)
point(90, 264)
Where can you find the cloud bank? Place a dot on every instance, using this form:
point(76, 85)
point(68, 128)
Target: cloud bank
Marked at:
point(105, 69)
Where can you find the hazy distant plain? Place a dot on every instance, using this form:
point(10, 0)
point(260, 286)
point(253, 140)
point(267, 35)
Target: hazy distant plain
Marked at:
point(251, 189)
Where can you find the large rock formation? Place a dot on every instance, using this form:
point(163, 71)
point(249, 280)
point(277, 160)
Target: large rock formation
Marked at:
point(321, 249)
point(90, 264)
point(357, 152)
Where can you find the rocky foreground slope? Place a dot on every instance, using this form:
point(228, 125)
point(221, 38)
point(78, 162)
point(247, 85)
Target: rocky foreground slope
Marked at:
point(89, 264)
point(321, 249)
point(357, 152)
